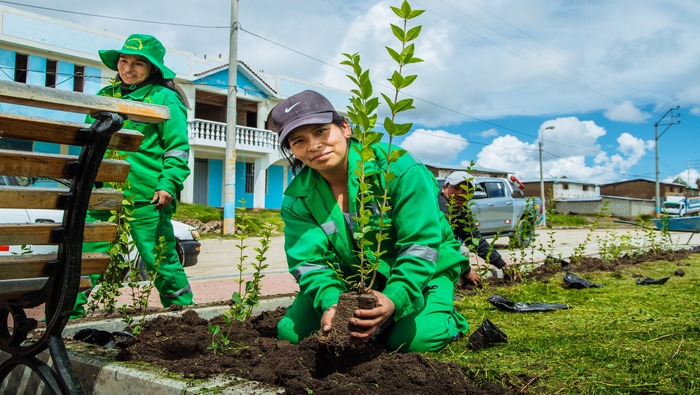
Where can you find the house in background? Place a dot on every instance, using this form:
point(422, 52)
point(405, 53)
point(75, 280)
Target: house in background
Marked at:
point(43, 51)
point(562, 188)
point(642, 188)
point(442, 171)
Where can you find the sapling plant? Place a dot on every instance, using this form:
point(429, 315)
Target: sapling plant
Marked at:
point(580, 249)
point(140, 293)
point(249, 292)
point(362, 113)
point(121, 252)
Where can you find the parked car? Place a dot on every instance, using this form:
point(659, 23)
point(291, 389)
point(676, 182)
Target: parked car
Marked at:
point(187, 237)
point(499, 209)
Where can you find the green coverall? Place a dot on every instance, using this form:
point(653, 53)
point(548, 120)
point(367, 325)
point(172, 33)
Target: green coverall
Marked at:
point(421, 263)
point(161, 163)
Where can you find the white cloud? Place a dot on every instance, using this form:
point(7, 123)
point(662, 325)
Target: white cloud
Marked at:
point(571, 149)
point(490, 61)
point(626, 112)
point(689, 175)
point(434, 146)
point(488, 133)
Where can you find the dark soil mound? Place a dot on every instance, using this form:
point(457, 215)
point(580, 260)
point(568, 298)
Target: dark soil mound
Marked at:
point(553, 266)
point(182, 344)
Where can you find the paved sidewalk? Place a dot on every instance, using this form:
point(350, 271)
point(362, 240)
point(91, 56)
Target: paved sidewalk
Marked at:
point(213, 278)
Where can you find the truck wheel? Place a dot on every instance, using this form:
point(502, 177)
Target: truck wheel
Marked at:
point(524, 233)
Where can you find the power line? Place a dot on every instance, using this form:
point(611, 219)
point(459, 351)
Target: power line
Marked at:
point(112, 17)
point(340, 69)
point(520, 56)
point(555, 50)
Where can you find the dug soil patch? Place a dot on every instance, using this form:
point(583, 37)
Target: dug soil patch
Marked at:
point(181, 344)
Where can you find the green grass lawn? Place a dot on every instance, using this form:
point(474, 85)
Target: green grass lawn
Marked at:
point(622, 338)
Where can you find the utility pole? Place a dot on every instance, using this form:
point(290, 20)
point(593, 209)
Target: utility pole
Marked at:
point(657, 136)
point(544, 211)
point(231, 114)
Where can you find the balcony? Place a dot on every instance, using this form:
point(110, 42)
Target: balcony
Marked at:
point(213, 134)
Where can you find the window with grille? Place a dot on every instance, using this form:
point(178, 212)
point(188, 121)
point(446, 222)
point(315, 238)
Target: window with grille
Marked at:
point(21, 64)
point(249, 177)
point(51, 66)
point(78, 78)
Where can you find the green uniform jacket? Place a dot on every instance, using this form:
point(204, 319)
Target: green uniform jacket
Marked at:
point(161, 163)
point(420, 245)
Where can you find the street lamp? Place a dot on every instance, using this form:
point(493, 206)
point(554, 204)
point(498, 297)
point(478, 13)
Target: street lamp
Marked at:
point(657, 136)
point(544, 211)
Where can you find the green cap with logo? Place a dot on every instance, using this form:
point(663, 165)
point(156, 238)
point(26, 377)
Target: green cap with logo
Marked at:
point(139, 44)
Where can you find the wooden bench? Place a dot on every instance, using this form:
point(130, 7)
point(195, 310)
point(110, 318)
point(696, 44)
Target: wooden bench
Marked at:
point(30, 280)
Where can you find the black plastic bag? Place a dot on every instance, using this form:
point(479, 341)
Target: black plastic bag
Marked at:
point(651, 281)
point(487, 334)
point(503, 303)
point(573, 281)
point(102, 338)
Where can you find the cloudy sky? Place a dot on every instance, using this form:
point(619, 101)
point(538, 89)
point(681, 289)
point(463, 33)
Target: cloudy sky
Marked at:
point(496, 72)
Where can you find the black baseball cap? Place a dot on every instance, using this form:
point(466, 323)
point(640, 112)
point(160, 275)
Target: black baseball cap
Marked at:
point(304, 108)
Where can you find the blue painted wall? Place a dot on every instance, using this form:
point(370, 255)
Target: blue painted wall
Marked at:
point(7, 65)
point(220, 80)
point(215, 190)
point(275, 176)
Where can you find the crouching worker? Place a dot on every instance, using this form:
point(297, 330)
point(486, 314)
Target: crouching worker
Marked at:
point(421, 261)
point(460, 217)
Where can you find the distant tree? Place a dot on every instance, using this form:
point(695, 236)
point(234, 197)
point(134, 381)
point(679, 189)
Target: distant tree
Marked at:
point(681, 181)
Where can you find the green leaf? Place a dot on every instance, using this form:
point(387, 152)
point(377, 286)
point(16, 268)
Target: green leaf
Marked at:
point(414, 60)
point(414, 14)
point(408, 80)
point(398, 33)
point(396, 154)
point(404, 105)
point(402, 129)
point(394, 55)
point(396, 80)
point(413, 33)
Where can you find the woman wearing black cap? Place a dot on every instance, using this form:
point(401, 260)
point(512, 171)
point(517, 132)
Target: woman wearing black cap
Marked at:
point(421, 260)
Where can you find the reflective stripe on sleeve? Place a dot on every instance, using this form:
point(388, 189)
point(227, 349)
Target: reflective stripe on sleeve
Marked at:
point(303, 269)
point(420, 251)
point(329, 228)
point(177, 154)
point(175, 294)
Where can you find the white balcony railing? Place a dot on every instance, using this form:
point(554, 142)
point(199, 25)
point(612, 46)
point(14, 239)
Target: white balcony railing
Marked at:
point(204, 132)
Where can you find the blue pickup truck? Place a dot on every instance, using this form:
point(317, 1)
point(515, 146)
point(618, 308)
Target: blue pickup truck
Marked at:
point(499, 209)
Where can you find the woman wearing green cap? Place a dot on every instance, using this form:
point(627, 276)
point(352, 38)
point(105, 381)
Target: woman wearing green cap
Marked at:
point(158, 168)
point(421, 259)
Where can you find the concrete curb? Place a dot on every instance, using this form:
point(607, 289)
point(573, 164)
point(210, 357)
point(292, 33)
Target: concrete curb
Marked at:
point(99, 375)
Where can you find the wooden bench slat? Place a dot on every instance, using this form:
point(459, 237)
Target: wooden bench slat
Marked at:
point(13, 289)
point(60, 132)
point(56, 99)
point(40, 234)
point(47, 198)
point(33, 164)
point(30, 266)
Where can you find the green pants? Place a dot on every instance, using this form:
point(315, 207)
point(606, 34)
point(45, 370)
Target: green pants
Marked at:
point(430, 329)
point(147, 226)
